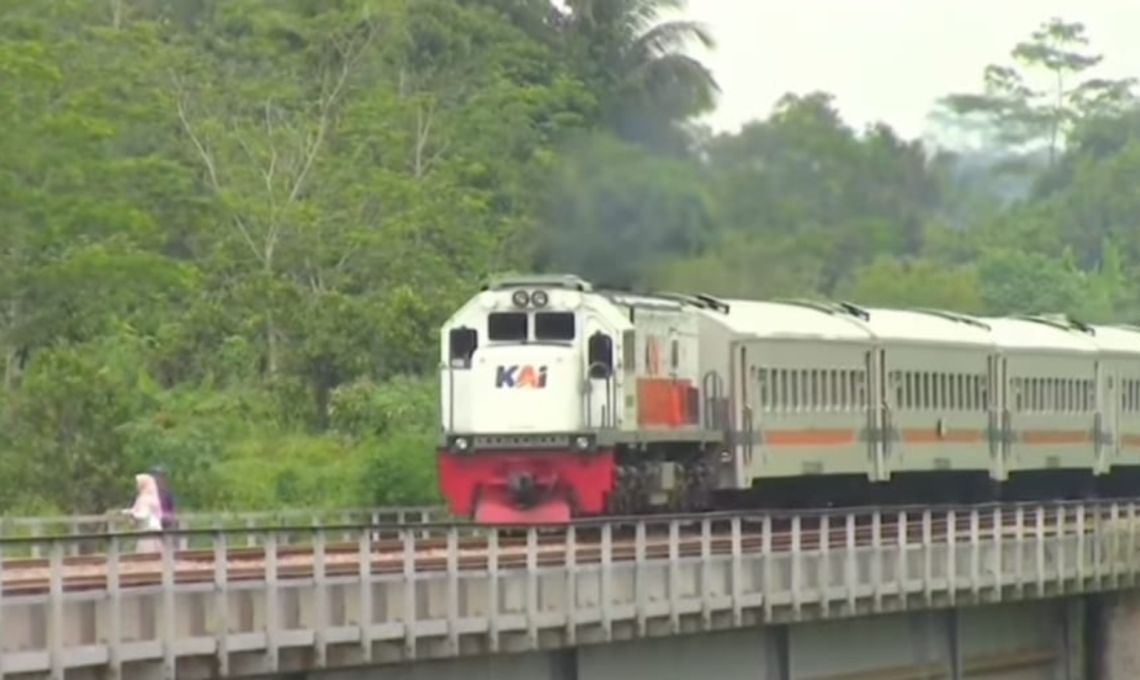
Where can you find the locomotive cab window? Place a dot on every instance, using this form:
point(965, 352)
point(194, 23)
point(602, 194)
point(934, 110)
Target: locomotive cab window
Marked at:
point(554, 326)
point(462, 344)
point(506, 326)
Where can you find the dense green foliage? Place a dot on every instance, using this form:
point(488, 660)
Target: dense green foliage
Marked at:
point(229, 231)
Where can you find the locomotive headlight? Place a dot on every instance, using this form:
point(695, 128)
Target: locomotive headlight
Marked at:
point(539, 298)
point(520, 298)
point(461, 443)
point(582, 443)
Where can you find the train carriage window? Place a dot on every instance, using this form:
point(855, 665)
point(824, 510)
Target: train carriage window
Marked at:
point(762, 389)
point(554, 326)
point(860, 389)
point(629, 351)
point(462, 343)
point(506, 326)
point(794, 404)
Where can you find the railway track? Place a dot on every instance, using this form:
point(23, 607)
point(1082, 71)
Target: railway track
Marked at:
point(426, 548)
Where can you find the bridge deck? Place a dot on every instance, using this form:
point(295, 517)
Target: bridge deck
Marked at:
point(444, 591)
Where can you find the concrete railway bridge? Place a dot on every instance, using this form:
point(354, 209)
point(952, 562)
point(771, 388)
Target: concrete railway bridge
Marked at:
point(1005, 591)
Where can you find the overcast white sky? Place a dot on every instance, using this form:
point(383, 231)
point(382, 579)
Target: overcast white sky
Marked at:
point(887, 59)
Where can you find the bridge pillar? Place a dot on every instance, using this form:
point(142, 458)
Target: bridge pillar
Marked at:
point(1116, 623)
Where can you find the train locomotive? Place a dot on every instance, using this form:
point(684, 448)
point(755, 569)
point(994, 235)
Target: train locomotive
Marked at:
point(562, 400)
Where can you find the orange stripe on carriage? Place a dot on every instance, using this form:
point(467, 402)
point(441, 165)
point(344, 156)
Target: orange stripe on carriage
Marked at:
point(809, 437)
point(1130, 439)
point(1055, 437)
point(930, 435)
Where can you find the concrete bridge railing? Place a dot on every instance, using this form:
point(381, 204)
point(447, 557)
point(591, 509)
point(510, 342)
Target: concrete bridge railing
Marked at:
point(448, 591)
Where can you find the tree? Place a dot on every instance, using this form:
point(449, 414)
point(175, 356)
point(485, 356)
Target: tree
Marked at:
point(1019, 114)
point(639, 64)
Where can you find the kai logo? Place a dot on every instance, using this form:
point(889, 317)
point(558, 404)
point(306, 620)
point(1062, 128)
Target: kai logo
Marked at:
point(520, 376)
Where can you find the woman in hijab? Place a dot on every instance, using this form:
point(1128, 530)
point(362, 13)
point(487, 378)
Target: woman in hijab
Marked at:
point(147, 511)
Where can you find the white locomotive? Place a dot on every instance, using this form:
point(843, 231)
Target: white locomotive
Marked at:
point(560, 400)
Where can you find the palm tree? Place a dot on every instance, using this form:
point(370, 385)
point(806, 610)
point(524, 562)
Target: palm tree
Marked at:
point(638, 63)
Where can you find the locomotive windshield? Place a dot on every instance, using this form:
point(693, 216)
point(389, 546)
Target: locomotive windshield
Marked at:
point(507, 326)
point(515, 326)
point(554, 326)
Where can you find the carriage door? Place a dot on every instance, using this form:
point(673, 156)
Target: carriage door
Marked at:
point(878, 413)
point(998, 434)
point(1106, 406)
